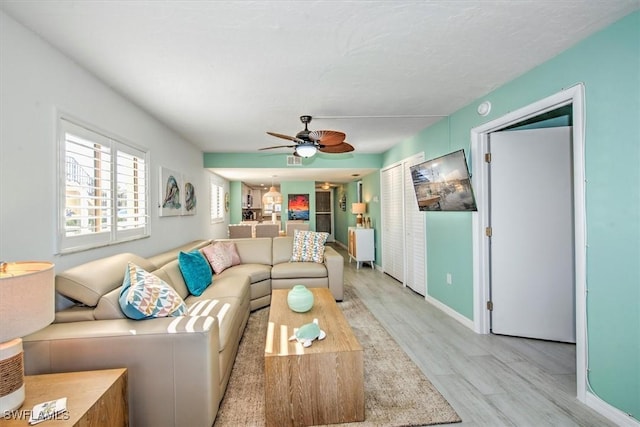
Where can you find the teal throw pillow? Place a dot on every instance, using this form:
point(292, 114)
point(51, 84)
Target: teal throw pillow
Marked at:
point(195, 270)
point(145, 296)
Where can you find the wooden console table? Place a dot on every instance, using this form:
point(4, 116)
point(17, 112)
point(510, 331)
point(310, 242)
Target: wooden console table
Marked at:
point(94, 399)
point(321, 384)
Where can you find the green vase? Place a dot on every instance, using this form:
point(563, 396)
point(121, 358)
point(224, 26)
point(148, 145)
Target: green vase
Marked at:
point(300, 299)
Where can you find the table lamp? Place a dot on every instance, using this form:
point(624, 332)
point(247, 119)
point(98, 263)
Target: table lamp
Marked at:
point(359, 209)
point(27, 304)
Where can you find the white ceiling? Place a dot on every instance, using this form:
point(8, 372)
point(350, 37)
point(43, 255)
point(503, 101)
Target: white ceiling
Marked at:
point(222, 73)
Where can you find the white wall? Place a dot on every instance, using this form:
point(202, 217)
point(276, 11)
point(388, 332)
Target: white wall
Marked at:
point(36, 81)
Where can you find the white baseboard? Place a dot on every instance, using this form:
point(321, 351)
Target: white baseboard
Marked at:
point(451, 312)
point(610, 412)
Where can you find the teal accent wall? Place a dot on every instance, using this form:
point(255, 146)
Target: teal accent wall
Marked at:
point(608, 64)
point(371, 196)
point(235, 202)
point(341, 218)
point(299, 187)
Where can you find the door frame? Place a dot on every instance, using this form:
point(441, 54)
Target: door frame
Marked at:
point(480, 181)
point(331, 213)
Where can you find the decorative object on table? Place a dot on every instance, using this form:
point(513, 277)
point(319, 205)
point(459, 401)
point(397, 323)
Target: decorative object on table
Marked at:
point(300, 299)
point(51, 410)
point(27, 304)
point(308, 333)
point(298, 207)
point(368, 222)
point(359, 209)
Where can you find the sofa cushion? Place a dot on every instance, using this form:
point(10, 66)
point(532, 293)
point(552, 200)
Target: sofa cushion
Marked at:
point(224, 300)
point(308, 246)
point(86, 283)
point(233, 251)
point(196, 271)
point(253, 251)
point(218, 256)
point(145, 296)
point(256, 272)
point(109, 306)
point(282, 249)
point(292, 270)
point(166, 257)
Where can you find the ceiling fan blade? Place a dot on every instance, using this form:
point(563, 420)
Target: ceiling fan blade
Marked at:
point(278, 146)
point(344, 147)
point(290, 138)
point(327, 137)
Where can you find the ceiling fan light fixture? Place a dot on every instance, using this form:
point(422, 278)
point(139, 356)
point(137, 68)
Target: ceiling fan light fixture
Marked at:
point(306, 150)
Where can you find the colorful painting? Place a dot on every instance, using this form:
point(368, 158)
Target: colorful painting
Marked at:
point(298, 206)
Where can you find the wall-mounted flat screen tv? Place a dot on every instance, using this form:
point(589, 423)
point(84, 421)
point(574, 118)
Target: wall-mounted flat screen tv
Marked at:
point(444, 184)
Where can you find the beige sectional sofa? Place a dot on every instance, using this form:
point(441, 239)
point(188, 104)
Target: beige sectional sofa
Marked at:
point(178, 367)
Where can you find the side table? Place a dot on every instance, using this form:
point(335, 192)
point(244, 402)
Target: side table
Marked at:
point(94, 398)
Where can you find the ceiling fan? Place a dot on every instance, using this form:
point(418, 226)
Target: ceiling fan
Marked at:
point(307, 142)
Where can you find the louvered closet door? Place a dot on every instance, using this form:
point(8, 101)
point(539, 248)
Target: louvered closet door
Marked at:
point(392, 227)
point(414, 226)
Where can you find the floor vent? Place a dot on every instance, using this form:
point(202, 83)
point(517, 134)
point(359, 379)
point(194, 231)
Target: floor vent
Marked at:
point(294, 161)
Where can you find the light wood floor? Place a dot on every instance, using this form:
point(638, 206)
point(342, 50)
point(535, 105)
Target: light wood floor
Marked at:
point(490, 380)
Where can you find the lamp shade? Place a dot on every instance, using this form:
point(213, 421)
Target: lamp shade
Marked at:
point(306, 150)
point(272, 197)
point(27, 304)
point(358, 208)
point(27, 298)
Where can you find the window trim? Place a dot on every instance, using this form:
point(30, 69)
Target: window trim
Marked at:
point(214, 180)
point(70, 244)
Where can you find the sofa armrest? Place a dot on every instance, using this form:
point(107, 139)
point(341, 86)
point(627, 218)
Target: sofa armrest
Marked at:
point(167, 359)
point(335, 271)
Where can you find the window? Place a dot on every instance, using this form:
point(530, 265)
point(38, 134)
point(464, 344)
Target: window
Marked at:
point(217, 200)
point(103, 189)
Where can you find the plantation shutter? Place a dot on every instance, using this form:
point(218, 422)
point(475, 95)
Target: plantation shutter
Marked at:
point(132, 192)
point(216, 208)
point(414, 223)
point(102, 191)
point(86, 200)
point(392, 227)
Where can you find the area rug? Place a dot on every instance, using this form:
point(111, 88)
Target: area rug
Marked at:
point(396, 392)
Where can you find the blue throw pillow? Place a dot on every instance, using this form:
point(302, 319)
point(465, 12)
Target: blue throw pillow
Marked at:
point(195, 270)
point(145, 296)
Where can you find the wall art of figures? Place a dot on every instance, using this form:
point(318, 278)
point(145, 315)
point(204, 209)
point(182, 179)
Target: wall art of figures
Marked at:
point(177, 194)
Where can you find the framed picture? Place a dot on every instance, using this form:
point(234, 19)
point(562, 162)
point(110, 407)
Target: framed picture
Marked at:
point(298, 206)
point(444, 184)
point(169, 200)
point(190, 200)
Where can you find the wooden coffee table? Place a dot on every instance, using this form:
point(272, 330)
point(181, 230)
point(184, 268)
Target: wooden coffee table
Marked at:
point(321, 384)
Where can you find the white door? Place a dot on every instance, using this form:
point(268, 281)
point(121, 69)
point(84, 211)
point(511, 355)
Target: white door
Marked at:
point(531, 210)
point(324, 212)
point(392, 224)
point(414, 230)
